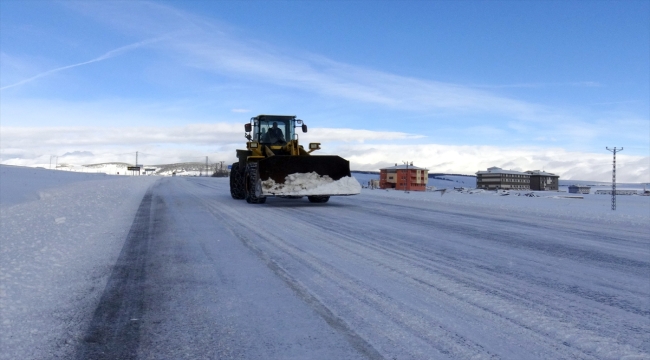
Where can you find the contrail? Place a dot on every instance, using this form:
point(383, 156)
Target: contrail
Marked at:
point(108, 55)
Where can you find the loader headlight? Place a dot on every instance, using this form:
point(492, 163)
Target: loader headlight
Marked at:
point(314, 146)
point(254, 144)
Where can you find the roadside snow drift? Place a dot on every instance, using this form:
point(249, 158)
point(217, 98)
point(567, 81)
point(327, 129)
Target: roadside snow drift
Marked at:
point(311, 184)
point(60, 235)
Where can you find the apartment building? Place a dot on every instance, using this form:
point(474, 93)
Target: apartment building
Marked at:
point(541, 180)
point(498, 178)
point(403, 177)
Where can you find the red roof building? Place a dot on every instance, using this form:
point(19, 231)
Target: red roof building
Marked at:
point(403, 177)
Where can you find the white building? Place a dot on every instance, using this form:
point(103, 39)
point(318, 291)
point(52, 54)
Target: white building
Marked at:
point(618, 192)
point(579, 189)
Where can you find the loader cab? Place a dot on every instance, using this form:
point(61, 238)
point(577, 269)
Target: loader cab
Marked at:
point(273, 129)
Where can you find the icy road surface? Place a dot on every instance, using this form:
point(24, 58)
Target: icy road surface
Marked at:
point(381, 275)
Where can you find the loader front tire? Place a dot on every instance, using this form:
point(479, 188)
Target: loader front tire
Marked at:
point(318, 198)
point(251, 182)
point(237, 190)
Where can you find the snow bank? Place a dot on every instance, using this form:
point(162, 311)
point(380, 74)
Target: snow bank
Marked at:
point(61, 234)
point(633, 210)
point(21, 184)
point(311, 184)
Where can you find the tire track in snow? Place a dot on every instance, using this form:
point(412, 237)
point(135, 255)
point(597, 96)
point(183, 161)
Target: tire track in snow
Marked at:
point(556, 335)
point(515, 239)
point(622, 235)
point(577, 330)
point(447, 342)
point(526, 301)
point(331, 318)
point(113, 332)
point(498, 304)
point(460, 290)
point(543, 324)
point(420, 252)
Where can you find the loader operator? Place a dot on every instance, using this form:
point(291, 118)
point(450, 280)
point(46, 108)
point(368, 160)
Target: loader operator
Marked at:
point(275, 135)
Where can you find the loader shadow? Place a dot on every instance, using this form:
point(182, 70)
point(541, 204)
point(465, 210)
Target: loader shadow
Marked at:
point(276, 202)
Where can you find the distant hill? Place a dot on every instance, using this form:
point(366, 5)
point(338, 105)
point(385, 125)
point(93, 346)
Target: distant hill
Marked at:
point(187, 168)
point(102, 165)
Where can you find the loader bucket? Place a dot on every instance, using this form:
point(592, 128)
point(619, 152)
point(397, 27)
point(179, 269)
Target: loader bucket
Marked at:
point(282, 169)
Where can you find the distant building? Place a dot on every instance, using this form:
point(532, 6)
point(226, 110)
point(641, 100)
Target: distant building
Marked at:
point(541, 180)
point(618, 192)
point(403, 177)
point(497, 178)
point(579, 189)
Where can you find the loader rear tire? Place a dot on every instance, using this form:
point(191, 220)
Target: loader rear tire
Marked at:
point(251, 182)
point(237, 190)
point(318, 198)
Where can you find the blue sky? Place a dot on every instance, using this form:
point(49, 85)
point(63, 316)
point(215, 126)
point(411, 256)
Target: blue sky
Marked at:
point(453, 86)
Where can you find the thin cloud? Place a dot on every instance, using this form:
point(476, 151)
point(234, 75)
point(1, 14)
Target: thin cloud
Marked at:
point(200, 134)
point(330, 135)
point(105, 56)
point(212, 47)
point(215, 47)
point(334, 79)
point(542, 85)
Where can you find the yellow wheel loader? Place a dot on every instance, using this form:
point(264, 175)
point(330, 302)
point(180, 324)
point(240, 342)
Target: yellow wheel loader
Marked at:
point(275, 164)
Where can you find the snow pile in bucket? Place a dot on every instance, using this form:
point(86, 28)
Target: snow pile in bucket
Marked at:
point(311, 184)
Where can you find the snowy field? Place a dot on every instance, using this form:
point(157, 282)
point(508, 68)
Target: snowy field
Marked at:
point(458, 181)
point(107, 267)
point(114, 168)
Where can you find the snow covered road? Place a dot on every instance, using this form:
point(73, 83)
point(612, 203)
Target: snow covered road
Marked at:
point(378, 275)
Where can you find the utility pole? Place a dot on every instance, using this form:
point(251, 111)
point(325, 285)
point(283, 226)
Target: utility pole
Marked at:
point(614, 151)
point(207, 169)
point(53, 157)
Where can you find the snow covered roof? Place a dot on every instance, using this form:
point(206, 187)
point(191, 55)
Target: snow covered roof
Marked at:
point(540, 172)
point(402, 167)
point(498, 170)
